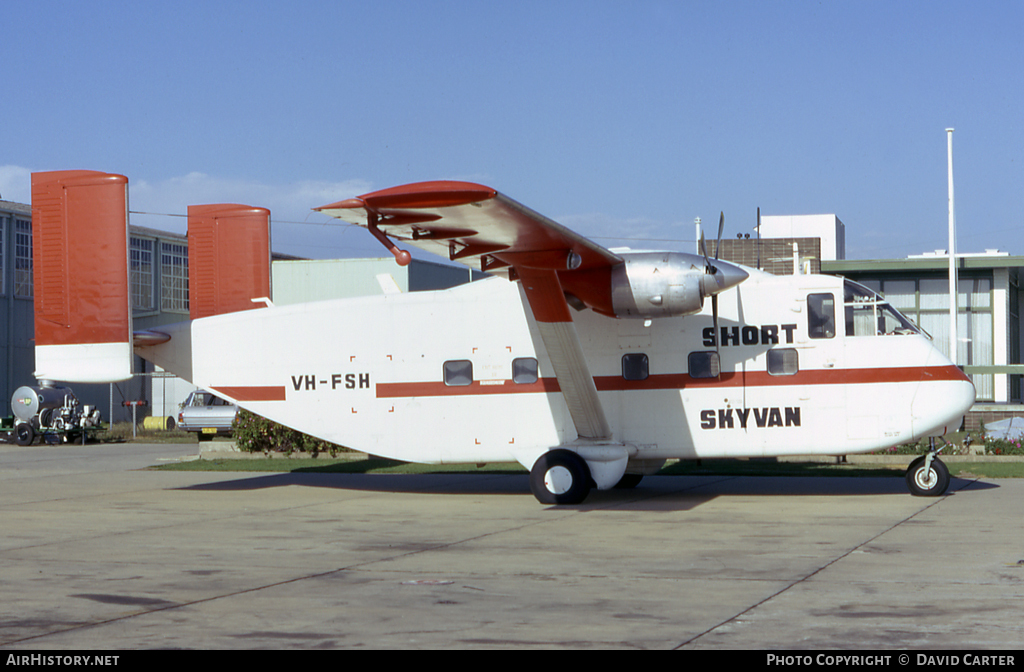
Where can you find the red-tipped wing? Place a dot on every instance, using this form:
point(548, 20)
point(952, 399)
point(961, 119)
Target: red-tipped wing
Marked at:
point(473, 225)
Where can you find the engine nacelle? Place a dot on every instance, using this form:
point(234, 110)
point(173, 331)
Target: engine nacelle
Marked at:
point(668, 284)
point(657, 284)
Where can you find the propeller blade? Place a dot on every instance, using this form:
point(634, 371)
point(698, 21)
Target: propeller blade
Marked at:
point(708, 268)
point(718, 334)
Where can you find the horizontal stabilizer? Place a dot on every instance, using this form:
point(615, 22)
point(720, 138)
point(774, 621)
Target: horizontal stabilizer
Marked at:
point(228, 258)
point(83, 320)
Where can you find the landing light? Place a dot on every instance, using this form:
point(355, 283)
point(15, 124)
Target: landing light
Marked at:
point(574, 261)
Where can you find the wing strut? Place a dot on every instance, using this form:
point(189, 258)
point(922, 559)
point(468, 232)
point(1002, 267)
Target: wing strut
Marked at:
point(478, 227)
point(402, 257)
point(554, 321)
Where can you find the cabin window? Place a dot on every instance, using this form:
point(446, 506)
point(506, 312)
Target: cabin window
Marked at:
point(704, 364)
point(458, 372)
point(821, 315)
point(783, 361)
point(524, 370)
point(635, 366)
point(868, 314)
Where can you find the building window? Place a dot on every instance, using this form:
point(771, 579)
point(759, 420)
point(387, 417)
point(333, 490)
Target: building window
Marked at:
point(174, 277)
point(141, 273)
point(23, 258)
point(973, 323)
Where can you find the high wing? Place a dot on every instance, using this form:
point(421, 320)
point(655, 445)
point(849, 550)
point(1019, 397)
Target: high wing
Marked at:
point(481, 228)
point(475, 225)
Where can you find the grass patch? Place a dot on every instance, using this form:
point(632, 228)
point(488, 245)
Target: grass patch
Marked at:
point(121, 432)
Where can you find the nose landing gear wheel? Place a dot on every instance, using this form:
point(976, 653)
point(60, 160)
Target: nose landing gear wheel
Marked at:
point(560, 477)
point(930, 481)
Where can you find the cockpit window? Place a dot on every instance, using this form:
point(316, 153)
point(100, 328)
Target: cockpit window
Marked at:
point(868, 314)
point(821, 316)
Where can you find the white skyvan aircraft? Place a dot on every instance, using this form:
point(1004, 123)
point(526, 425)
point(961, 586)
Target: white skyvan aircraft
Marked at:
point(589, 367)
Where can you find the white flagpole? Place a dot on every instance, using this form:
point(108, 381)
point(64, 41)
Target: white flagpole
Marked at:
point(952, 255)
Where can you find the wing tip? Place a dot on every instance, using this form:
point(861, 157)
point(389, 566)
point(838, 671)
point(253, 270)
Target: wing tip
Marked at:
point(347, 204)
point(436, 194)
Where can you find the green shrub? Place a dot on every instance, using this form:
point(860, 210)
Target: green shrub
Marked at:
point(254, 433)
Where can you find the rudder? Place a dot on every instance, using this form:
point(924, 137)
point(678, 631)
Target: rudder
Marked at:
point(83, 319)
point(229, 258)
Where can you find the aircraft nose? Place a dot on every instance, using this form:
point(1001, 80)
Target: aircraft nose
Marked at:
point(941, 408)
point(940, 403)
point(726, 275)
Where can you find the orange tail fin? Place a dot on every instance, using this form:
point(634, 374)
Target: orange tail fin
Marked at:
point(83, 319)
point(228, 258)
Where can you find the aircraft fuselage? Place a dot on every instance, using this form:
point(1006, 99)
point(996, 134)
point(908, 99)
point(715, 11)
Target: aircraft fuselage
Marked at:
point(462, 375)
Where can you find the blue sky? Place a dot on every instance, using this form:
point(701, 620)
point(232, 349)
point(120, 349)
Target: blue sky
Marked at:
point(618, 119)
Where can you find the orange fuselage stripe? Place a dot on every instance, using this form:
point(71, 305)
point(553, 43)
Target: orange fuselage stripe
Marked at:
point(668, 381)
point(678, 381)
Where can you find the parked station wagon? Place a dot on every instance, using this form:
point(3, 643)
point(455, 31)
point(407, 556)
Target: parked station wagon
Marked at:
point(206, 414)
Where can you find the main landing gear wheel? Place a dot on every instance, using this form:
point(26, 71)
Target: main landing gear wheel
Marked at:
point(560, 477)
point(927, 482)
